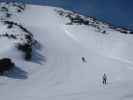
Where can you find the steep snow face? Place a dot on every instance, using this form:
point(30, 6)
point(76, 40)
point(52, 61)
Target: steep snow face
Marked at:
point(98, 36)
point(56, 71)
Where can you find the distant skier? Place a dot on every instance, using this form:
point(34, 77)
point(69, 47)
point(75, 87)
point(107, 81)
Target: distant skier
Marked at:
point(104, 79)
point(83, 60)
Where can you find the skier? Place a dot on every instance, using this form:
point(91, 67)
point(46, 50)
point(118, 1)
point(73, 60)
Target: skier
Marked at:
point(83, 59)
point(104, 79)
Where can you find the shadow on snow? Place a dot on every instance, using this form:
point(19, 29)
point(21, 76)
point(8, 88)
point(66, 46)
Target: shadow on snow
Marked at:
point(17, 73)
point(38, 57)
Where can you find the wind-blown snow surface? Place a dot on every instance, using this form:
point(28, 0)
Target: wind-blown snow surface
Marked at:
point(58, 73)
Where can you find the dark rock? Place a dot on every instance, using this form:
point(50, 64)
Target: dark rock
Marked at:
point(4, 9)
point(6, 65)
point(26, 49)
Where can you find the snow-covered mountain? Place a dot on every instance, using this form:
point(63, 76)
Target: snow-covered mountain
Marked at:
point(58, 40)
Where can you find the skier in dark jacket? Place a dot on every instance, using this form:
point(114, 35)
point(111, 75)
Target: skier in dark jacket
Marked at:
point(104, 79)
point(83, 59)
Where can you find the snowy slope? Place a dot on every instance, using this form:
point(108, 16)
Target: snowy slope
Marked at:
point(56, 71)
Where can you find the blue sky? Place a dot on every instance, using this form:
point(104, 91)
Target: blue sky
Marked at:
point(117, 12)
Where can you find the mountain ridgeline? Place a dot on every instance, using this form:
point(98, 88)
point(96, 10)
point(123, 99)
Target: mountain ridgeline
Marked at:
point(102, 27)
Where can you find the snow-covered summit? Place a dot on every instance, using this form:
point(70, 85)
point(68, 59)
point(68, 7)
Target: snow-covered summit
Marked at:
point(103, 27)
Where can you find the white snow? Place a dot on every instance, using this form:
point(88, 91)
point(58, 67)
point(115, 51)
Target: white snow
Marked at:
point(57, 72)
